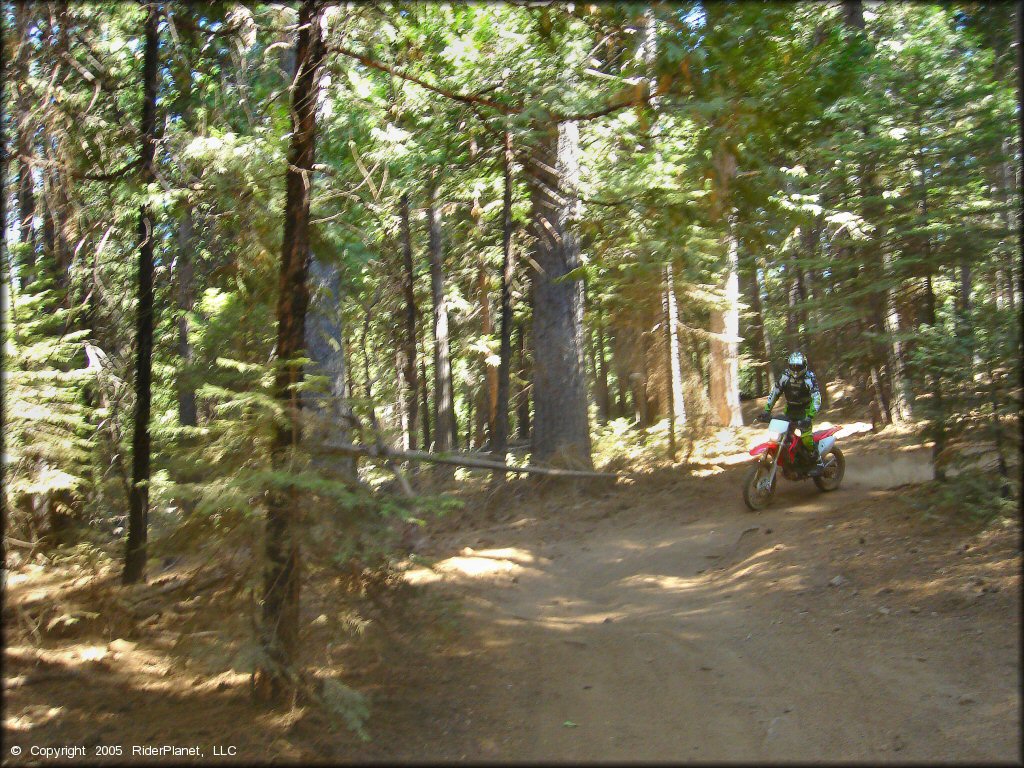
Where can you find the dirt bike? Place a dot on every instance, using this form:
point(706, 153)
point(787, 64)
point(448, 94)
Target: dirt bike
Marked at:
point(784, 450)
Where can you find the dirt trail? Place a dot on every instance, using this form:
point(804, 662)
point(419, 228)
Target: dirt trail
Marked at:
point(668, 623)
point(655, 620)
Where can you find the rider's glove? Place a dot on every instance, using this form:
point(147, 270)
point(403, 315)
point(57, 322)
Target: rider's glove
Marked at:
point(764, 416)
point(804, 423)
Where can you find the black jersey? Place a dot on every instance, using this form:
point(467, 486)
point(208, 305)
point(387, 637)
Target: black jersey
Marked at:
point(800, 391)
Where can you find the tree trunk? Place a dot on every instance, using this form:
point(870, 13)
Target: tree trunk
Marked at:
point(499, 438)
point(408, 348)
point(471, 405)
point(561, 433)
point(328, 413)
point(792, 320)
point(853, 11)
point(426, 405)
point(815, 345)
point(761, 344)
point(523, 399)
point(489, 399)
point(621, 374)
point(185, 260)
point(1005, 292)
point(724, 346)
point(674, 380)
point(630, 369)
point(604, 405)
point(902, 396)
point(490, 371)
point(938, 417)
point(25, 148)
point(443, 396)
point(274, 678)
point(187, 414)
point(138, 498)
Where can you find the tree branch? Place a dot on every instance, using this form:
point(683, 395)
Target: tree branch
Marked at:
point(638, 94)
point(470, 99)
point(122, 171)
point(380, 451)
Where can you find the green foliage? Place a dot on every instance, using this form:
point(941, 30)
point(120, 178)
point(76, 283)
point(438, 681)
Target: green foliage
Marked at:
point(47, 423)
point(348, 704)
point(618, 444)
point(972, 496)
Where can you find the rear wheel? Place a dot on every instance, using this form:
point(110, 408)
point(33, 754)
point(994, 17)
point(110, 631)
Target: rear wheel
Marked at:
point(757, 488)
point(835, 468)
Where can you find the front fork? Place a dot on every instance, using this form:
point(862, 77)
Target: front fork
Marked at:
point(775, 466)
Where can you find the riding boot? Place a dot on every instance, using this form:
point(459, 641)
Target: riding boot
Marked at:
point(818, 469)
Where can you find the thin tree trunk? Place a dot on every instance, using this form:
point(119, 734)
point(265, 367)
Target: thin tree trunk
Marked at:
point(408, 349)
point(902, 394)
point(443, 396)
point(455, 414)
point(765, 336)
point(724, 385)
point(25, 148)
point(759, 335)
point(470, 400)
point(997, 437)
point(938, 418)
point(561, 432)
point(674, 380)
point(523, 399)
point(427, 445)
point(490, 371)
point(499, 442)
point(620, 368)
point(187, 413)
point(814, 343)
point(965, 289)
point(186, 237)
point(604, 405)
point(792, 321)
point(470, 462)
point(138, 498)
point(489, 399)
point(57, 217)
point(275, 677)
point(1008, 184)
point(881, 402)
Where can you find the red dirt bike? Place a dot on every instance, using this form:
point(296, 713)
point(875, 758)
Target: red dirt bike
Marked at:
point(785, 451)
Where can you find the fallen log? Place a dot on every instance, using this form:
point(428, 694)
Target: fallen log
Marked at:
point(350, 449)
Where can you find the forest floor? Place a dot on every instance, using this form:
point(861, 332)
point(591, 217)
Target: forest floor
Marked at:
point(656, 619)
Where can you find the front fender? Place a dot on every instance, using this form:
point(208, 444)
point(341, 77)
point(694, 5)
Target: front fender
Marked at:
point(757, 450)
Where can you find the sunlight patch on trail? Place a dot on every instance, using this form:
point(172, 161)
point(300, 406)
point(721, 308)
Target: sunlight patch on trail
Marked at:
point(662, 581)
point(508, 561)
point(31, 717)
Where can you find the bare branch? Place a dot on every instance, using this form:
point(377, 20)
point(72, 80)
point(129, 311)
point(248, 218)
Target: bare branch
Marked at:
point(470, 99)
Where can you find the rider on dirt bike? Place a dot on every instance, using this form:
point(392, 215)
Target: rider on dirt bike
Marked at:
point(803, 399)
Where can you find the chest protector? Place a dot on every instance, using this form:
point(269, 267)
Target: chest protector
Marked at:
point(798, 391)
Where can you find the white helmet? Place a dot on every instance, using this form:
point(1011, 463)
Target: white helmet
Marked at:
point(797, 364)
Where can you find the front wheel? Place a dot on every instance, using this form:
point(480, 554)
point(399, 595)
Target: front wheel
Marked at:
point(835, 468)
point(757, 488)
